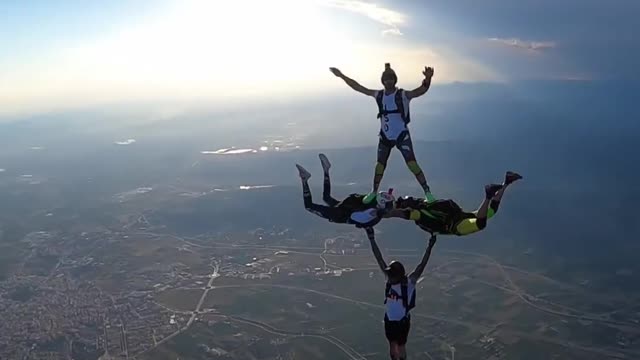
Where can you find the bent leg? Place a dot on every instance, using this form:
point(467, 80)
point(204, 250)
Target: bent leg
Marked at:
point(489, 206)
point(320, 210)
point(510, 178)
point(306, 194)
point(470, 225)
point(494, 205)
point(478, 219)
point(384, 150)
point(495, 201)
point(326, 193)
point(483, 211)
point(326, 186)
point(405, 145)
point(326, 212)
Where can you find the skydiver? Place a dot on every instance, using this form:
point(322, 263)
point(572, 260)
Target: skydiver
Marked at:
point(394, 115)
point(446, 217)
point(352, 209)
point(400, 297)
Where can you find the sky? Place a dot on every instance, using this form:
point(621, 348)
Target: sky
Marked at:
point(71, 53)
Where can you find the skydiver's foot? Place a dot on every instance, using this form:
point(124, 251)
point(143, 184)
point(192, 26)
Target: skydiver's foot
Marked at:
point(491, 190)
point(511, 177)
point(369, 197)
point(304, 174)
point(326, 165)
point(429, 196)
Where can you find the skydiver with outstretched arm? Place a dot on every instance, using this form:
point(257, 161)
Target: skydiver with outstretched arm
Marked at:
point(394, 115)
point(400, 297)
point(446, 217)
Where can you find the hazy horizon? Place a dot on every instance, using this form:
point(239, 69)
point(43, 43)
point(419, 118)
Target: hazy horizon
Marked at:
point(60, 55)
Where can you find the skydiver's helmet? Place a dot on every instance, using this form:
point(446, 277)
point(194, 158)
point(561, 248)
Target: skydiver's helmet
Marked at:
point(385, 200)
point(388, 74)
point(395, 270)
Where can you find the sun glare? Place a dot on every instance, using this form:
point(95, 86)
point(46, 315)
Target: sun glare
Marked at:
point(221, 50)
point(238, 46)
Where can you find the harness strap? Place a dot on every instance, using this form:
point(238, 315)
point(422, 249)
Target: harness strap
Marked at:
point(405, 295)
point(399, 106)
point(404, 289)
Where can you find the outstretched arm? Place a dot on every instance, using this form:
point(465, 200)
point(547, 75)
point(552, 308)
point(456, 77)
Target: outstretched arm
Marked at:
point(424, 87)
point(415, 275)
point(375, 249)
point(352, 83)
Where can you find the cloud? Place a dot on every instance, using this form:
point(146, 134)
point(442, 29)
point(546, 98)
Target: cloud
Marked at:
point(581, 78)
point(524, 44)
point(125, 142)
point(392, 32)
point(569, 77)
point(388, 17)
point(408, 60)
point(162, 57)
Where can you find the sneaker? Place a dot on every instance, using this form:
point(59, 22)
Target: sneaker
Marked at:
point(511, 176)
point(326, 165)
point(369, 197)
point(491, 190)
point(304, 174)
point(429, 197)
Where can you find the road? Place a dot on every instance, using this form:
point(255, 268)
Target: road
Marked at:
point(513, 288)
point(214, 275)
point(193, 316)
point(525, 297)
point(618, 354)
point(521, 292)
point(291, 249)
point(348, 350)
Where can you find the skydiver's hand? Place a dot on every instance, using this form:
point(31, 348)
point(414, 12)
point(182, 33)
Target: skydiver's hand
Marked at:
point(336, 72)
point(428, 72)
